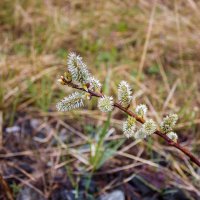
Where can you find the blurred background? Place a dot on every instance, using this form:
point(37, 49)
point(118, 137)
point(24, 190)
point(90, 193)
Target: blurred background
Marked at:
point(153, 45)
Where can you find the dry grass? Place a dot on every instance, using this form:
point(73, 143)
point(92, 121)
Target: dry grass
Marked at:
point(157, 52)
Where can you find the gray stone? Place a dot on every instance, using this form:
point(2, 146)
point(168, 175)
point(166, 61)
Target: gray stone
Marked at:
point(35, 123)
point(114, 195)
point(28, 193)
point(12, 129)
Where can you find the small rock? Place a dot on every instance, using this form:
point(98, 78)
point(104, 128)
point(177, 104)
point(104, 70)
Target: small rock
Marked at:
point(87, 184)
point(26, 167)
point(115, 195)
point(63, 194)
point(175, 193)
point(198, 171)
point(35, 123)
point(29, 194)
point(12, 129)
point(63, 135)
point(143, 187)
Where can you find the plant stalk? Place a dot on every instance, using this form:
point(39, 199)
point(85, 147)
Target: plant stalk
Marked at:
point(141, 120)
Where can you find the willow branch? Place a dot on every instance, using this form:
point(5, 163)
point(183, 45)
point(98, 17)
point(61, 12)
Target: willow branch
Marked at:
point(142, 121)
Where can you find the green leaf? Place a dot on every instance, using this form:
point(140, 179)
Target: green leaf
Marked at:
point(110, 152)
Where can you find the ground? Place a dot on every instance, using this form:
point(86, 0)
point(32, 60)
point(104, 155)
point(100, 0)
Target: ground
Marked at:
point(153, 45)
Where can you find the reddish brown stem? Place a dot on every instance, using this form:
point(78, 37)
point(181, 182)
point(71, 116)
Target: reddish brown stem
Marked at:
point(141, 120)
point(164, 136)
point(178, 146)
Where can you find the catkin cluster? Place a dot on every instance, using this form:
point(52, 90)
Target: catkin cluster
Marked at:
point(77, 73)
point(167, 125)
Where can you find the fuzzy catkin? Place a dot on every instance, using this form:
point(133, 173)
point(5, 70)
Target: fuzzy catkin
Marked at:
point(124, 94)
point(141, 110)
point(148, 128)
point(106, 104)
point(95, 84)
point(78, 69)
point(173, 136)
point(169, 123)
point(129, 127)
point(71, 102)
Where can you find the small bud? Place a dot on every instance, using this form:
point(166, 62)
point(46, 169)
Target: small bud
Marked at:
point(141, 110)
point(61, 81)
point(129, 127)
point(173, 136)
point(105, 104)
point(169, 123)
point(88, 96)
point(85, 87)
point(68, 76)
